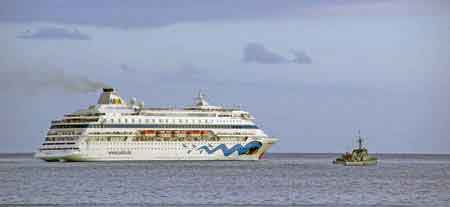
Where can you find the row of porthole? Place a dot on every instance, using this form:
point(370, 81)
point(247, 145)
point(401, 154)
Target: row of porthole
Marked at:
point(165, 126)
point(60, 138)
point(63, 133)
point(119, 120)
point(170, 144)
point(143, 149)
point(158, 143)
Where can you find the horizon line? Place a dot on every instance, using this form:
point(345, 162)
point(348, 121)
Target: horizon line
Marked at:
point(377, 153)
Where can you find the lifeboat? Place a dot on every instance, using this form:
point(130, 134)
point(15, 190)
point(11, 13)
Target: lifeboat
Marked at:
point(148, 132)
point(165, 134)
point(196, 133)
point(180, 133)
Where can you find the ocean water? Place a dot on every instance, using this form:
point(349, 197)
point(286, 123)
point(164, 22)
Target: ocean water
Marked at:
point(278, 179)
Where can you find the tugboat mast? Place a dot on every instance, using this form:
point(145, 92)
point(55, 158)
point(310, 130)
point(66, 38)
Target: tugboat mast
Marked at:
point(359, 139)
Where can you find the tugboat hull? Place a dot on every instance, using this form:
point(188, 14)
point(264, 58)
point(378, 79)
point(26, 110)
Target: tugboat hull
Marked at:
point(355, 163)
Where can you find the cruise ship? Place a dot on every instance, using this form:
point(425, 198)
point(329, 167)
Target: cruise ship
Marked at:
point(114, 130)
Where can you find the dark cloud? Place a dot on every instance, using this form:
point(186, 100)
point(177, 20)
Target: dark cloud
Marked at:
point(140, 13)
point(34, 81)
point(127, 68)
point(156, 13)
point(257, 53)
point(53, 33)
point(301, 57)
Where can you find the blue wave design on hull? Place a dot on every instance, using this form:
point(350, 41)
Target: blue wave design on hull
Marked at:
point(228, 151)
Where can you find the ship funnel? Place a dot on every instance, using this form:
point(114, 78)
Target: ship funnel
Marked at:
point(109, 96)
point(108, 89)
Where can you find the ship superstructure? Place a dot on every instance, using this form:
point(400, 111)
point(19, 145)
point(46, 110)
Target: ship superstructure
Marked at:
point(115, 130)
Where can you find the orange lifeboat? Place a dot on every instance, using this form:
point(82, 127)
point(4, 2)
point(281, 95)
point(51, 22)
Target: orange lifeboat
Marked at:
point(195, 133)
point(148, 132)
point(165, 133)
point(180, 133)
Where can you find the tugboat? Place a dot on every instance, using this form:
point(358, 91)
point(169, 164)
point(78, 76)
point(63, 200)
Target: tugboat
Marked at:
point(358, 157)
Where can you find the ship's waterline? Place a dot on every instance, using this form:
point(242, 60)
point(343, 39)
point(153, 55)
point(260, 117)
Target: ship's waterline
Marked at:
point(113, 130)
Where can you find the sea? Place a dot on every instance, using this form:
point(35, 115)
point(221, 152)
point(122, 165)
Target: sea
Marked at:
point(276, 180)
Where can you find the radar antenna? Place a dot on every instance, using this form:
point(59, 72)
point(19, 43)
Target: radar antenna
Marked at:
point(200, 100)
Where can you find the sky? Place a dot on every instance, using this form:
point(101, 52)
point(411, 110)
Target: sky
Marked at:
point(312, 72)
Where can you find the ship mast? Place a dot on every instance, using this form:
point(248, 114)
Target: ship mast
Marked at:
point(200, 100)
point(359, 139)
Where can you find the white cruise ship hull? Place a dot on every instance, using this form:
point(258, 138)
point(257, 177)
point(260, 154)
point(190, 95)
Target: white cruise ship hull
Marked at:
point(113, 130)
point(158, 151)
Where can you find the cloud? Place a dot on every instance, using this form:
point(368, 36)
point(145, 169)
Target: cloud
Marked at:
point(257, 53)
point(34, 81)
point(127, 68)
point(301, 57)
point(53, 33)
point(157, 13)
point(140, 13)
